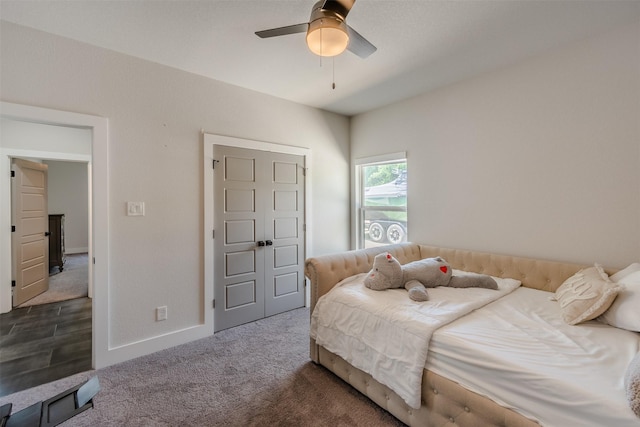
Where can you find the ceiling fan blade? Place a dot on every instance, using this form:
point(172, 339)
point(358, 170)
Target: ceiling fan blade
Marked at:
point(358, 44)
point(283, 31)
point(341, 7)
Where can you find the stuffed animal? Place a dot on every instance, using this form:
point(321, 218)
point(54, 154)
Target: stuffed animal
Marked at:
point(416, 276)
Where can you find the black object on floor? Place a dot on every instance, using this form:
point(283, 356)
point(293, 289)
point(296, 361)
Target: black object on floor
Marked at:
point(55, 410)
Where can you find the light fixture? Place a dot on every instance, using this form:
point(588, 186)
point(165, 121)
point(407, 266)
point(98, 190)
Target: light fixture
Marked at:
point(327, 34)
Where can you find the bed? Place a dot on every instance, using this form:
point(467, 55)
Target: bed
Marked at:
point(511, 359)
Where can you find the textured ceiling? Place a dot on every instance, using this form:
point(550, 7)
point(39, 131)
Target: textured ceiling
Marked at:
point(421, 45)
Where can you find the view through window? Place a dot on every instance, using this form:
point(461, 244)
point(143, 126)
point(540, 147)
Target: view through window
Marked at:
point(383, 203)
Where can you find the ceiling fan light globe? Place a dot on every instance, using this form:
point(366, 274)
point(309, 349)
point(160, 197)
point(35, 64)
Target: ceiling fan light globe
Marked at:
point(327, 37)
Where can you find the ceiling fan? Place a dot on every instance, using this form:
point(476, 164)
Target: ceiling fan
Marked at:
point(327, 31)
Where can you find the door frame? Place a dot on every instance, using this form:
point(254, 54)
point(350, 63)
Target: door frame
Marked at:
point(209, 208)
point(98, 211)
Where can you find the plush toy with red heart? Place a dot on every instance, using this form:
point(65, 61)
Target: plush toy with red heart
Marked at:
point(416, 276)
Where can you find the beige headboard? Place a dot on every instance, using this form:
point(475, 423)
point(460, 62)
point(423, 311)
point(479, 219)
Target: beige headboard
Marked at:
point(533, 273)
point(327, 270)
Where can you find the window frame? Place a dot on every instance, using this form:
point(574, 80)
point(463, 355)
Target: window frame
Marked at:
point(358, 237)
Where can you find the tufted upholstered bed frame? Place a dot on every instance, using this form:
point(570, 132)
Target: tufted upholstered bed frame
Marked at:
point(444, 402)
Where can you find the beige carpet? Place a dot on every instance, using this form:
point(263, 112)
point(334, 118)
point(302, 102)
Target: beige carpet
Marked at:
point(258, 374)
point(70, 283)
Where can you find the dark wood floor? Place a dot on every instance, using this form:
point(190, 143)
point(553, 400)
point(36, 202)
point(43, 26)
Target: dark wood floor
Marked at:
point(43, 343)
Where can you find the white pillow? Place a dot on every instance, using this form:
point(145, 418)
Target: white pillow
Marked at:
point(632, 268)
point(586, 295)
point(624, 312)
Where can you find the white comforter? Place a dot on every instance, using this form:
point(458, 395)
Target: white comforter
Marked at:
point(386, 334)
point(519, 352)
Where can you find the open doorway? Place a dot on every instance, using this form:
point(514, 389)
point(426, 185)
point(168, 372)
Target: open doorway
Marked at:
point(51, 328)
point(98, 246)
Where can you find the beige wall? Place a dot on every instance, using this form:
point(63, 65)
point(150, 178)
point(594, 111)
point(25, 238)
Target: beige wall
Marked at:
point(156, 115)
point(538, 159)
point(68, 195)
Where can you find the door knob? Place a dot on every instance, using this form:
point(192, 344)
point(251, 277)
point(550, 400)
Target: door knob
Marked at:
point(269, 242)
point(260, 243)
point(47, 233)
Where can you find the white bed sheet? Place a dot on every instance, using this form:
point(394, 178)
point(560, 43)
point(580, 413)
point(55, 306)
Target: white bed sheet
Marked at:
point(519, 352)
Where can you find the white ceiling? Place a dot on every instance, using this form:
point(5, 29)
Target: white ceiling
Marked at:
point(421, 45)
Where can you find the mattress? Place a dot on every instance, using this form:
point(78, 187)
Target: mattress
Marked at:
point(519, 352)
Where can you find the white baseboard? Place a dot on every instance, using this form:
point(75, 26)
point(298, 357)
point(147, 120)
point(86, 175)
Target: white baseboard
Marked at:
point(150, 345)
point(71, 251)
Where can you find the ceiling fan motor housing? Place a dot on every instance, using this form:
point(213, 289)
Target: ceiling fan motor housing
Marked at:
point(327, 34)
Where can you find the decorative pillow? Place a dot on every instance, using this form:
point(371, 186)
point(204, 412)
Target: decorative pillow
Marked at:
point(632, 384)
point(632, 268)
point(624, 313)
point(586, 295)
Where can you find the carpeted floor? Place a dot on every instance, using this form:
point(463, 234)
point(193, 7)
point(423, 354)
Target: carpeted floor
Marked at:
point(70, 283)
point(258, 374)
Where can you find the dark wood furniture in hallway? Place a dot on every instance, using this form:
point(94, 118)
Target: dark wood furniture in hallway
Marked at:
point(56, 241)
point(43, 343)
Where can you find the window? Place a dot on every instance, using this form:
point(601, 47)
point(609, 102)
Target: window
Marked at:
point(381, 201)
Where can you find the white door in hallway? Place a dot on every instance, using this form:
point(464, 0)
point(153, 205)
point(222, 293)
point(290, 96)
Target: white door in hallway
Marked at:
point(259, 234)
point(29, 216)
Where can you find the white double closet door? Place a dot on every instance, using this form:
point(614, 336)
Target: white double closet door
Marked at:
point(259, 234)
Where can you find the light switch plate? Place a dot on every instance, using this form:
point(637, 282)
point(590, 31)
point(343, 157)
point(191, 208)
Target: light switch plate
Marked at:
point(135, 208)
